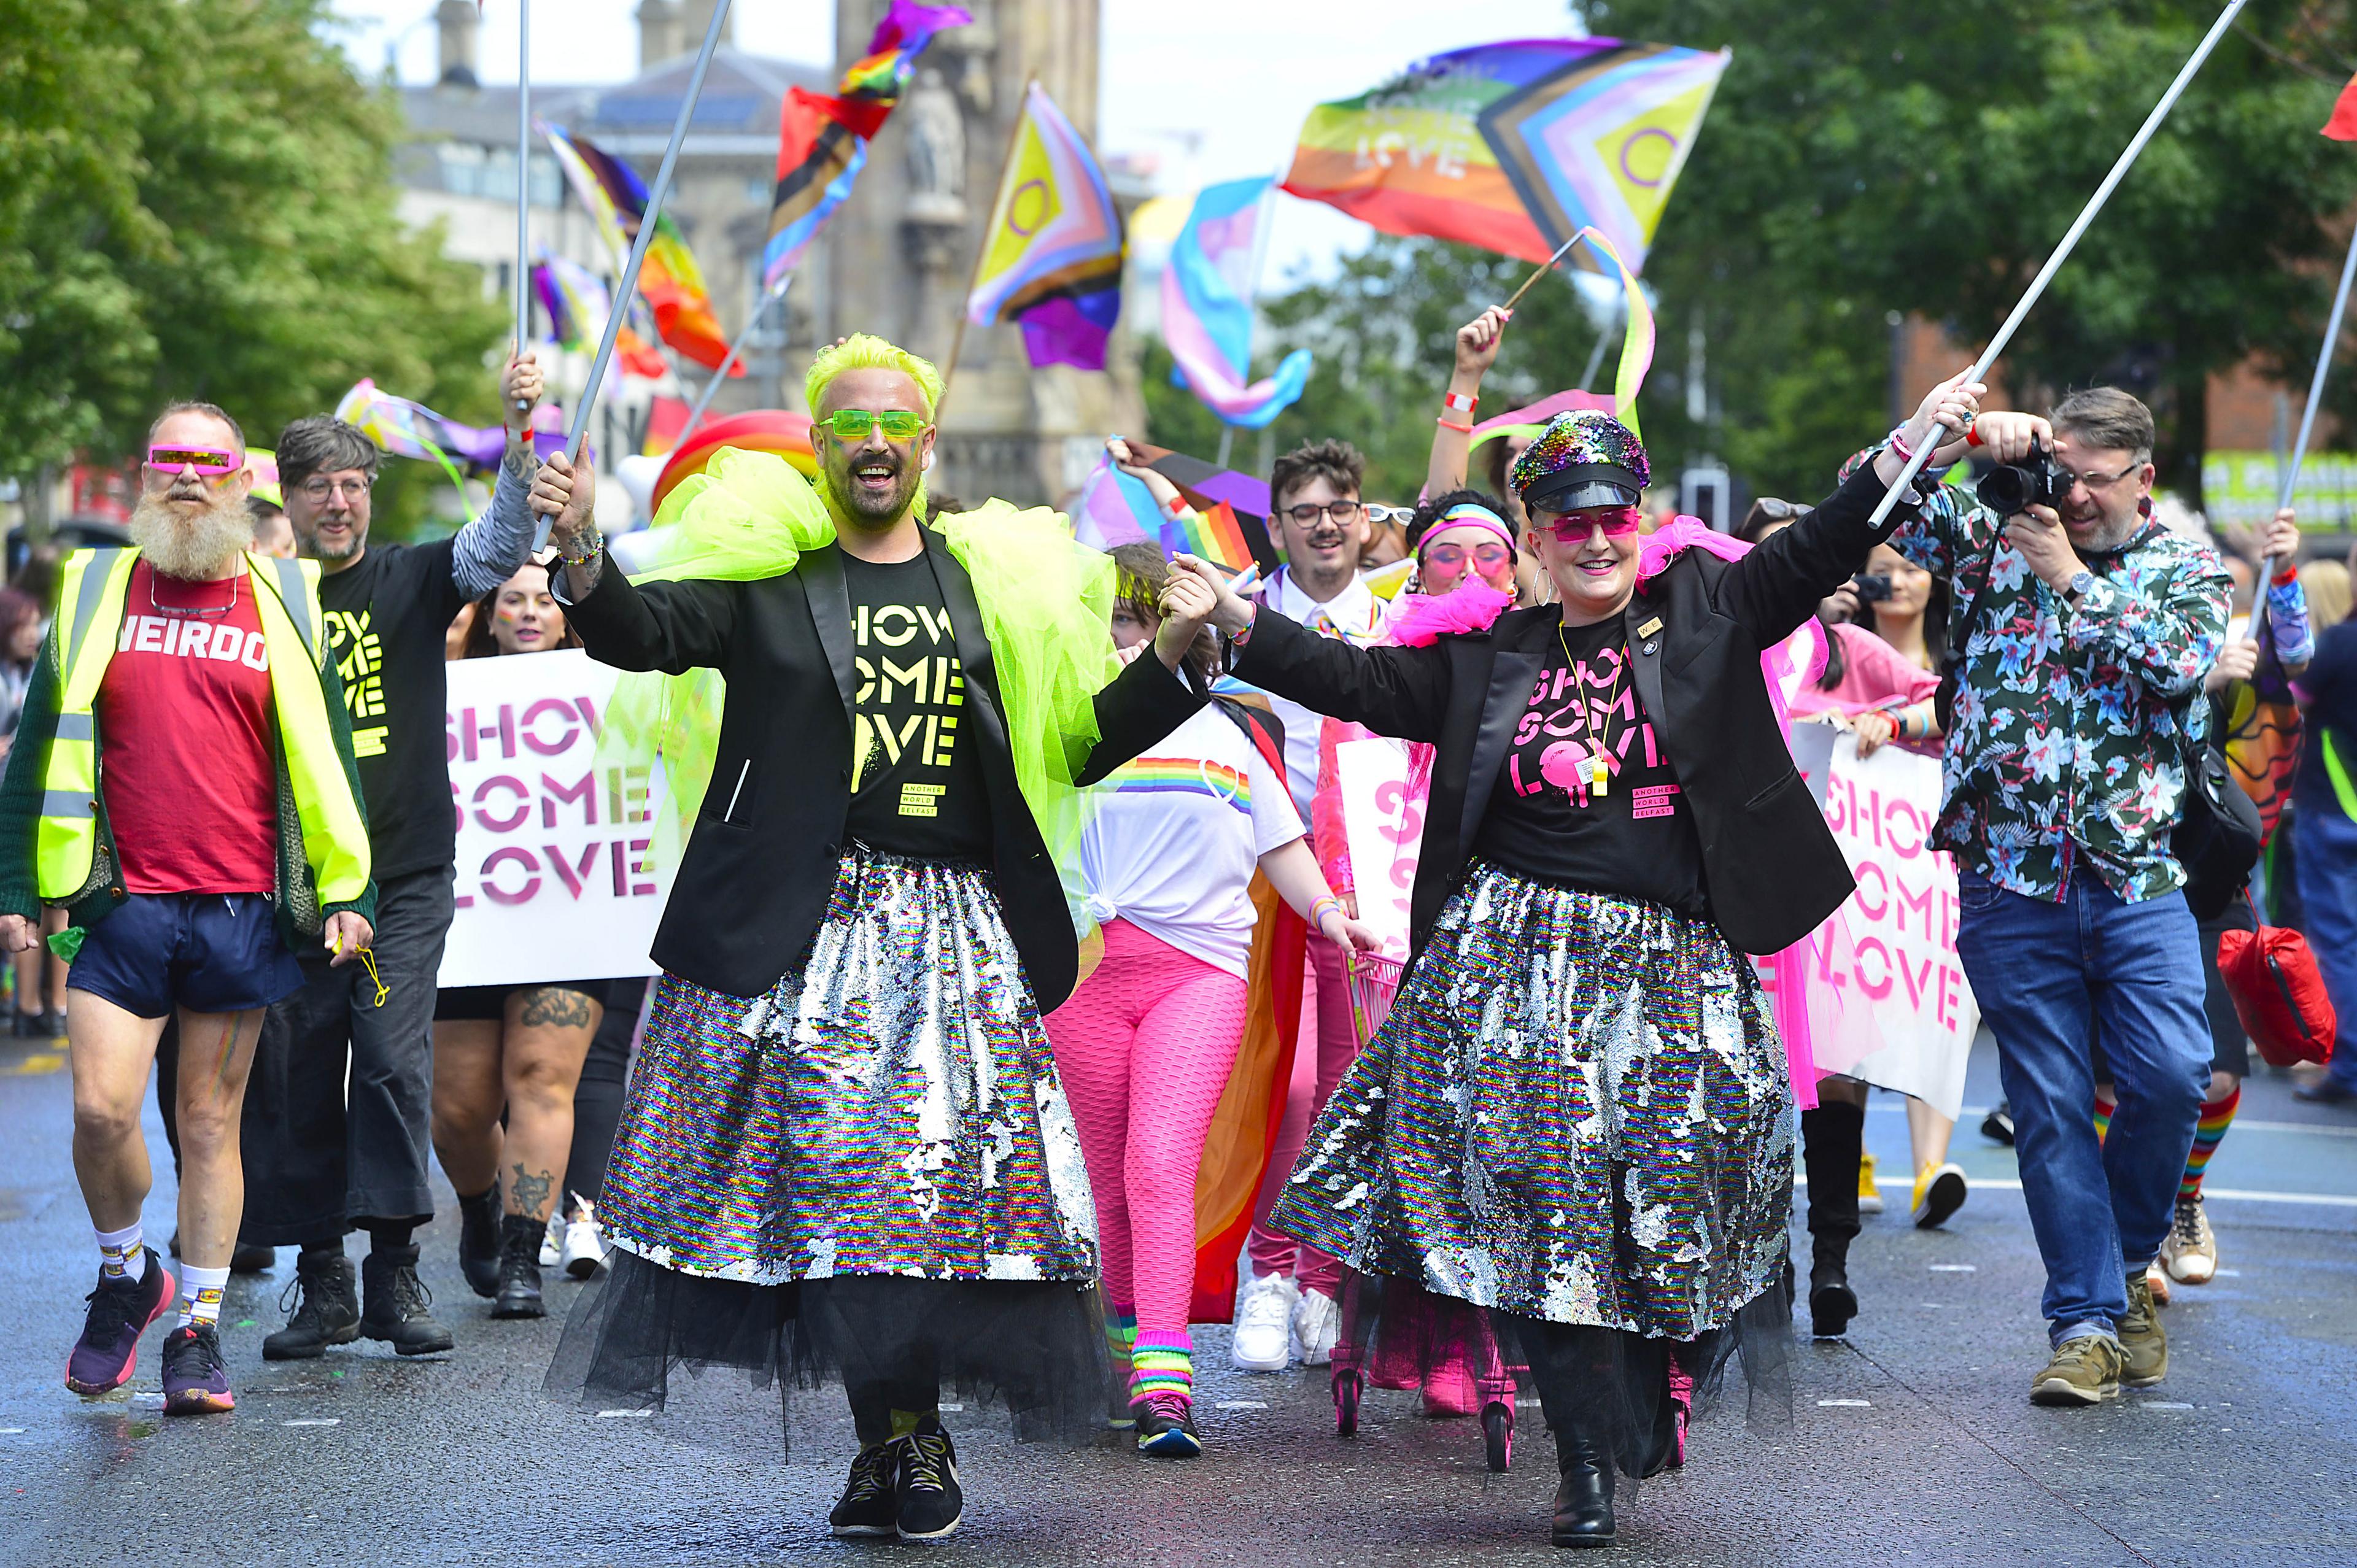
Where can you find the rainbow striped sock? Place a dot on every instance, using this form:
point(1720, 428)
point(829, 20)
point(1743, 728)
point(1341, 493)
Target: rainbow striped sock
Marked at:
point(1121, 1330)
point(1163, 1364)
point(2217, 1115)
point(2104, 1106)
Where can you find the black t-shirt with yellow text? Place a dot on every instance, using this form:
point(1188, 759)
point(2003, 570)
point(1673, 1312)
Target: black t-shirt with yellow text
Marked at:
point(386, 617)
point(916, 790)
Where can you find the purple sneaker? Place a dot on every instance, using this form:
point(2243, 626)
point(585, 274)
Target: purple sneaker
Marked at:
point(196, 1380)
point(120, 1311)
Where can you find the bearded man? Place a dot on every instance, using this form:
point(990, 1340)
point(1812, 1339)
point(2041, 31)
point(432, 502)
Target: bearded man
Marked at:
point(846, 1149)
point(183, 784)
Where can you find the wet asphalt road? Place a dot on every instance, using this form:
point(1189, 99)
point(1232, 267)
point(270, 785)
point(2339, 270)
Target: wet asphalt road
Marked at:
point(1910, 1442)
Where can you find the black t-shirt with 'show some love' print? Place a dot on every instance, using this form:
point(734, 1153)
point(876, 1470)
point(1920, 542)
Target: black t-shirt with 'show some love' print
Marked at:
point(915, 787)
point(1548, 818)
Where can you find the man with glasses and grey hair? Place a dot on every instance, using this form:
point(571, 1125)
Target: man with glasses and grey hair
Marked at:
point(2085, 629)
point(336, 1111)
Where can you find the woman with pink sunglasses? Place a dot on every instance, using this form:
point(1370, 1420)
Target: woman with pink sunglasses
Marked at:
point(1579, 1115)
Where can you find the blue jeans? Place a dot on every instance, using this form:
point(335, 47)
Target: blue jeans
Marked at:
point(2053, 980)
point(2325, 866)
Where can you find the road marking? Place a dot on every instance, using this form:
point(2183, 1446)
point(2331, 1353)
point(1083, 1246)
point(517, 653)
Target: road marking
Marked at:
point(625, 1415)
point(2161, 1404)
point(2233, 1194)
point(955, 1407)
point(316, 1420)
point(1242, 1404)
point(1844, 1404)
point(31, 1066)
point(2319, 1128)
point(2229, 1274)
point(1955, 1268)
point(11, 1432)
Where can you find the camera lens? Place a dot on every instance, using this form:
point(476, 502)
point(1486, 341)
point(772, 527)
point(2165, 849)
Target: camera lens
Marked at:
point(2006, 489)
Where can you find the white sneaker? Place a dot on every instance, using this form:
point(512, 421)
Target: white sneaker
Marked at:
point(584, 1242)
point(552, 1238)
point(1316, 1323)
point(1264, 1337)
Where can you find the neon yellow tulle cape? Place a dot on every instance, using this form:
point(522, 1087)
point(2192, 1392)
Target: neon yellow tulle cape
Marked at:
point(1045, 602)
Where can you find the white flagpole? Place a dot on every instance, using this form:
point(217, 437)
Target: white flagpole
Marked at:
point(628, 285)
point(2071, 239)
point(524, 182)
point(2289, 477)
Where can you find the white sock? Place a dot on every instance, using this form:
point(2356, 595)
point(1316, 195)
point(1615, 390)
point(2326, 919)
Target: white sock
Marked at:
point(122, 1253)
point(201, 1293)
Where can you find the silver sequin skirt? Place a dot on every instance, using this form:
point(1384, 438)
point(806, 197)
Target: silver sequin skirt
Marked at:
point(890, 1107)
point(1577, 1111)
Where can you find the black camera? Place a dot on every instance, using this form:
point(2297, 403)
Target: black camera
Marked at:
point(1873, 587)
point(2011, 489)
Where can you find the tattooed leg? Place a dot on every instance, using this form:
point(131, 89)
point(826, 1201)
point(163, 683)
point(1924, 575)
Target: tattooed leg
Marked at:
point(529, 1192)
point(547, 1036)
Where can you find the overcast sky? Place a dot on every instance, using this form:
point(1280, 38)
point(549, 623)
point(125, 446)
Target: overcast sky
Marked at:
point(1218, 87)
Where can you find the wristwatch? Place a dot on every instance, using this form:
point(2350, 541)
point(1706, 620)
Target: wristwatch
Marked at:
point(2083, 582)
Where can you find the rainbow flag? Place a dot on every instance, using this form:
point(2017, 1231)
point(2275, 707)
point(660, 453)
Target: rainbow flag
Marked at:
point(1207, 319)
point(407, 429)
point(576, 301)
point(1115, 509)
point(669, 280)
point(822, 142)
point(1052, 253)
point(1514, 146)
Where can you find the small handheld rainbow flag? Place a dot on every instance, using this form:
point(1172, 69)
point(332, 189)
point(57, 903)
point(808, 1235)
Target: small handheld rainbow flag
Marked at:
point(1116, 508)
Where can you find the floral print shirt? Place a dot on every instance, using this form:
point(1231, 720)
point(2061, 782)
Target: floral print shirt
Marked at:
point(2070, 720)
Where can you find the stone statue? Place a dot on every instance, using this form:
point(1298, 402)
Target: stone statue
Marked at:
point(936, 140)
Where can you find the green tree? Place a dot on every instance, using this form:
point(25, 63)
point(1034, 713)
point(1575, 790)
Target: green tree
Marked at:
point(199, 203)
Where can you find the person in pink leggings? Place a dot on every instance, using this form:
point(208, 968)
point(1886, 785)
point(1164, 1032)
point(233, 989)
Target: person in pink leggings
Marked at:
point(1145, 1044)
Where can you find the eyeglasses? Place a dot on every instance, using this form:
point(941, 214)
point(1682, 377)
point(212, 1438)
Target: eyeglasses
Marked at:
point(2100, 481)
point(1574, 527)
point(854, 423)
point(318, 488)
point(1487, 557)
point(1380, 515)
point(1306, 514)
point(206, 461)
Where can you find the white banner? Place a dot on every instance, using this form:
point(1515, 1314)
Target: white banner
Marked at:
point(553, 880)
point(1887, 997)
point(1383, 821)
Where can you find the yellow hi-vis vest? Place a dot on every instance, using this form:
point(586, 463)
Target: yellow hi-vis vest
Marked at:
point(90, 621)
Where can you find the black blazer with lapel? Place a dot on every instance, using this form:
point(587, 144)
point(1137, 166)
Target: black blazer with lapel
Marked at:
point(1772, 869)
point(754, 882)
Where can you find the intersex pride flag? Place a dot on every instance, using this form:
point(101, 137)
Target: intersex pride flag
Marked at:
point(1515, 147)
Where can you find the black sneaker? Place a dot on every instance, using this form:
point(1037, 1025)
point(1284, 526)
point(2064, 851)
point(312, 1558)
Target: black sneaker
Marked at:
point(870, 1504)
point(1997, 1126)
point(479, 1242)
point(328, 1312)
point(195, 1378)
point(121, 1308)
point(926, 1501)
point(520, 1269)
point(398, 1302)
point(1165, 1427)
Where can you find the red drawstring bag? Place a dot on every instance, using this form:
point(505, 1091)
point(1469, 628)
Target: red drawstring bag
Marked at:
point(2279, 995)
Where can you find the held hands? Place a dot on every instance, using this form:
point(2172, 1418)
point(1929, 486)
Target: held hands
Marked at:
point(567, 494)
point(18, 934)
point(1187, 604)
point(520, 388)
point(1476, 345)
point(346, 936)
point(1230, 612)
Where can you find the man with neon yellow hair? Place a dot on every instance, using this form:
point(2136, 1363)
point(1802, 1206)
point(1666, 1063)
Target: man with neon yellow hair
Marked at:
point(846, 1150)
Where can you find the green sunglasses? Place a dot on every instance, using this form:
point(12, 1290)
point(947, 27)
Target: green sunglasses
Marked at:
point(854, 423)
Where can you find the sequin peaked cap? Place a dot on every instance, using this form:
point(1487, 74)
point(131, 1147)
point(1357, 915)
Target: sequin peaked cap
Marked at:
point(1583, 458)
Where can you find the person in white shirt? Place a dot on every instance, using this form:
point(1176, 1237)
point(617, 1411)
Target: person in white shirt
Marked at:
point(1145, 1046)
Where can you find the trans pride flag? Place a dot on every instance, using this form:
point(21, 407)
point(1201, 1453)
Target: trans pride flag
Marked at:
point(822, 142)
point(1052, 254)
point(1515, 147)
point(670, 281)
point(1207, 288)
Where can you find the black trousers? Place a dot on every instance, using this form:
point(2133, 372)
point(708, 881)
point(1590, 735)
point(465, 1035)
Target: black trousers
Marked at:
point(336, 1111)
point(597, 1099)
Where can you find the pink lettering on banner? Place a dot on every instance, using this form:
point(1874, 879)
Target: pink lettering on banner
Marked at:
point(562, 740)
point(510, 856)
point(483, 815)
point(583, 794)
point(572, 875)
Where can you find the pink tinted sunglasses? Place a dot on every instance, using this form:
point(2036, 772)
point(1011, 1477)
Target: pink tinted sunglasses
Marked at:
point(205, 460)
point(1572, 526)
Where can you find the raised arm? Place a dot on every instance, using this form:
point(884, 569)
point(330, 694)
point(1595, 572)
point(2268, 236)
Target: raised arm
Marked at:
point(1452, 434)
point(670, 626)
point(488, 550)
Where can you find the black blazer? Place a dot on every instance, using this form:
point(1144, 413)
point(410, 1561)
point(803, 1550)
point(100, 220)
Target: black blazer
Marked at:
point(1772, 869)
point(752, 889)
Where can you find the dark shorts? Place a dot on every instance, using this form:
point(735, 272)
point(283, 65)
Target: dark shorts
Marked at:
point(489, 1003)
point(209, 952)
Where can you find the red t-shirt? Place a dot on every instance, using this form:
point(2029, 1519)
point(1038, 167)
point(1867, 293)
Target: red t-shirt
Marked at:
point(184, 718)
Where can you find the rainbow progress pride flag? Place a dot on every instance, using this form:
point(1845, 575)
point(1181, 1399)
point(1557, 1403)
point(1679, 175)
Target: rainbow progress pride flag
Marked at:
point(1515, 147)
point(1052, 254)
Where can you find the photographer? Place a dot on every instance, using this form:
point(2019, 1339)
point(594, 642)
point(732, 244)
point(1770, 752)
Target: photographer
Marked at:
point(2084, 630)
